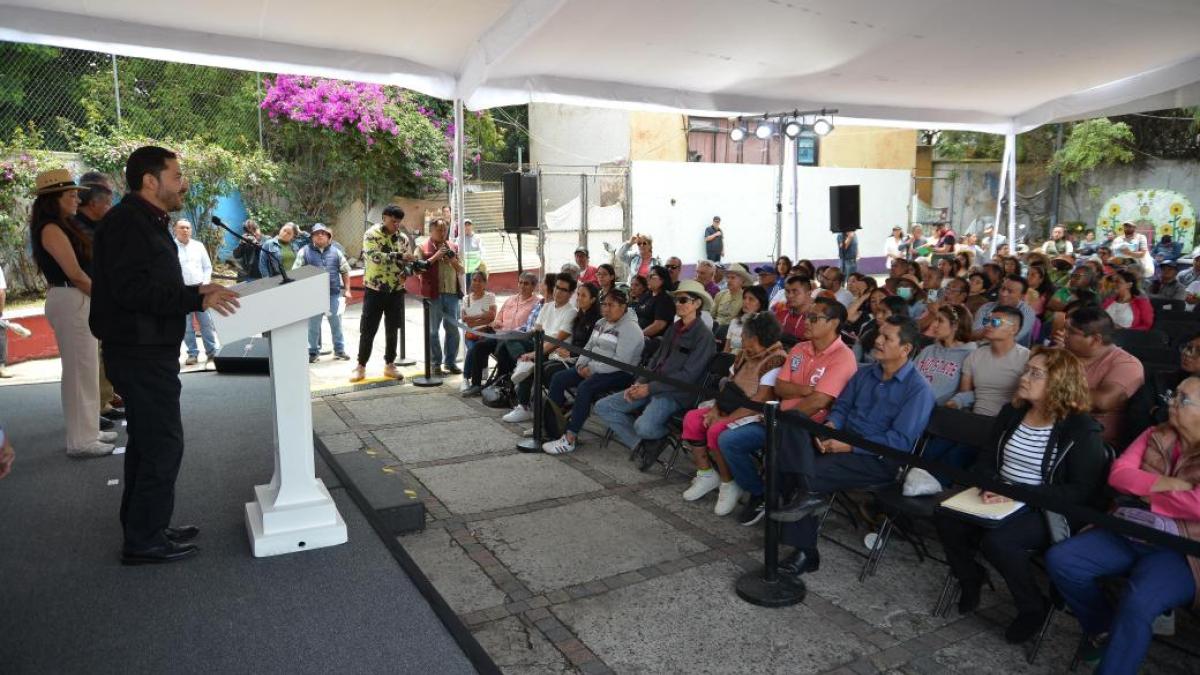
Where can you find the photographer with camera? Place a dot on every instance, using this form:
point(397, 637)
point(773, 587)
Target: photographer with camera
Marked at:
point(440, 283)
point(389, 256)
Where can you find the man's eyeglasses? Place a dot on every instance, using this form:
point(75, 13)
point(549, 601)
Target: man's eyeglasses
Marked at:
point(683, 299)
point(995, 322)
point(672, 267)
point(813, 317)
point(1177, 399)
point(1034, 373)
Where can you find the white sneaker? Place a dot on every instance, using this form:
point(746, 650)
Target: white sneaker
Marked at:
point(727, 498)
point(518, 414)
point(107, 436)
point(560, 447)
point(95, 449)
point(703, 483)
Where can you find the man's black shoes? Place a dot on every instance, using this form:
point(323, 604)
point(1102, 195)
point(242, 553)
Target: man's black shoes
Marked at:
point(114, 413)
point(181, 534)
point(106, 424)
point(166, 553)
point(800, 562)
point(753, 511)
point(804, 505)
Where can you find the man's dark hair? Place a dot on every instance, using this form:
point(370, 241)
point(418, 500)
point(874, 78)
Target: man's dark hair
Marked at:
point(96, 184)
point(148, 159)
point(799, 279)
point(909, 334)
point(832, 310)
point(897, 305)
point(982, 277)
point(964, 287)
point(393, 211)
point(567, 278)
point(764, 327)
point(990, 268)
point(837, 274)
point(1092, 320)
point(1019, 279)
point(1010, 311)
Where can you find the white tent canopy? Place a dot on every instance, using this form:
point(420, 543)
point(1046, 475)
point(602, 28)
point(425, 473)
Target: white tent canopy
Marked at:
point(1002, 67)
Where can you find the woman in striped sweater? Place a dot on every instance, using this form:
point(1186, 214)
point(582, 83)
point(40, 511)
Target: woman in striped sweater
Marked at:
point(1045, 441)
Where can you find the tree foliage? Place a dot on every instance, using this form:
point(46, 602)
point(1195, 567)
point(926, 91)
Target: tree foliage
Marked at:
point(1093, 143)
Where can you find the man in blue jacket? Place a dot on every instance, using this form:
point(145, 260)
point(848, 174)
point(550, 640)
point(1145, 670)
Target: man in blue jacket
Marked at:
point(321, 251)
point(888, 402)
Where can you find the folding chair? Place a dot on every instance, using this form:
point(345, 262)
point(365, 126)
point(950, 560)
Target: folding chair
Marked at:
point(1126, 339)
point(959, 426)
point(1179, 331)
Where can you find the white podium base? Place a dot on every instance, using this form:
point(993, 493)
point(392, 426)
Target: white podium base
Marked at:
point(306, 526)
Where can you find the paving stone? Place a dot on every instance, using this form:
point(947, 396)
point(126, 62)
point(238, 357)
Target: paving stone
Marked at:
point(519, 649)
point(325, 421)
point(341, 443)
point(459, 580)
point(588, 540)
point(443, 440)
point(503, 482)
point(684, 608)
point(397, 410)
point(700, 513)
point(986, 651)
point(613, 462)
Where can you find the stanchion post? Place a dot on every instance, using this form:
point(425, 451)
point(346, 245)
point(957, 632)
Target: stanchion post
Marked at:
point(428, 380)
point(539, 362)
point(765, 587)
point(403, 360)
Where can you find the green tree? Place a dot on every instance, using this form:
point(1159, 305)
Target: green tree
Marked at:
point(1091, 144)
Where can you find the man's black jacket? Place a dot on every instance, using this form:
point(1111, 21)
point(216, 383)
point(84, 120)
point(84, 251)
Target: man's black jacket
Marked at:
point(139, 300)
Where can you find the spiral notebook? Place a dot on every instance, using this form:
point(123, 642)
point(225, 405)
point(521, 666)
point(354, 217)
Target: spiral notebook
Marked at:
point(969, 502)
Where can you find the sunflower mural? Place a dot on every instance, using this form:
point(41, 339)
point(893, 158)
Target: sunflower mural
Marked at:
point(1158, 211)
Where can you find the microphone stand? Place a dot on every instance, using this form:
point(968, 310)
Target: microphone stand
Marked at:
point(271, 257)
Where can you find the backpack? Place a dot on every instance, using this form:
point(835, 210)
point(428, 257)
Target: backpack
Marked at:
point(500, 393)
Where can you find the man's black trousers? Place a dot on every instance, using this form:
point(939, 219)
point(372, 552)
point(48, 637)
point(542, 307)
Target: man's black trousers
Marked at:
point(376, 304)
point(154, 451)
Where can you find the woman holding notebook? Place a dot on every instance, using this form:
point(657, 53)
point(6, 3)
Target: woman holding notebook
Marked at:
point(1045, 440)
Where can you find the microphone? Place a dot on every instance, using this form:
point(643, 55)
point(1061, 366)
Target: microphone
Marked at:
point(271, 257)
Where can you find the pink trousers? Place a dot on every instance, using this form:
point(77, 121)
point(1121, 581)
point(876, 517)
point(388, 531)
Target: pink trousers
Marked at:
point(695, 432)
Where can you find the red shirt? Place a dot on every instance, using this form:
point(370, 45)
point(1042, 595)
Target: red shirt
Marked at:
point(793, 323)
point(588, 275)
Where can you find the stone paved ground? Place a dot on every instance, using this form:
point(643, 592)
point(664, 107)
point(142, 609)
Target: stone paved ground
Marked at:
point(582, 564)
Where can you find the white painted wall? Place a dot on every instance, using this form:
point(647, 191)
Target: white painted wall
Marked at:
point(744, 197)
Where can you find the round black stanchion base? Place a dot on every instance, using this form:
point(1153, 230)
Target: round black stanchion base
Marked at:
point(783, 592)
point(402, 363)
point(529, 445)
point(423, 381)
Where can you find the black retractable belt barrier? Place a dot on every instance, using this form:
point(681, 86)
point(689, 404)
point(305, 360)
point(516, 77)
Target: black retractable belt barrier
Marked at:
point(428, 380)
point(403, 359)
point(539, 362)
point(1026, 494)
point(765, 587)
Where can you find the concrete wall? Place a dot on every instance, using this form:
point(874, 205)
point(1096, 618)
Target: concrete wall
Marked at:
point(868, 148)
point(660, 137)
point(675, 201)
point(969, 189)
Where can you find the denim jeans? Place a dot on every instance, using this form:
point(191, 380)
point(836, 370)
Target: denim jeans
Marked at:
point(207, 332)
point(443, 312)
point(587, 390)
point(650, 425)
point(1159, 580)
point(335, 328)
point(738, 447)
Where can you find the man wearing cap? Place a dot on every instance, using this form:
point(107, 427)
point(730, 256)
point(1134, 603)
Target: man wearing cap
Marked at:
point(472, 250)
point(321, 252)
point(714, 240)
point(728, 302)
point(683, 354)
point(95, 199)
point(768, 278)
point(197, 271)
point(587, 271)
point(1167, 286)
point(139, 302)
point(387, 246)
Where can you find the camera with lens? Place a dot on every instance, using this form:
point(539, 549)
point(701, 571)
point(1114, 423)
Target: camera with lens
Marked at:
point(413, 267)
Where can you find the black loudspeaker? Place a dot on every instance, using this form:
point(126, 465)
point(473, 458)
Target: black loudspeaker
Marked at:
point(251, 356)
point(844, 208)
point(520, 202)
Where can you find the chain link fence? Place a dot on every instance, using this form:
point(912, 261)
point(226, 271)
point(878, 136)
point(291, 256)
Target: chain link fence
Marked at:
point(42, 86)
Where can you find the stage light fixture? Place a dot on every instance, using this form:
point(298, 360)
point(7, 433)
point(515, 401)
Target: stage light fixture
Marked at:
point(763, 131)
point(822, 126)
point(792, 128)
point(738, 133)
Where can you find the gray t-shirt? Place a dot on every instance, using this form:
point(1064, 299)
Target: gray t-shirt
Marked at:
point(994, 379)
point(942, 367)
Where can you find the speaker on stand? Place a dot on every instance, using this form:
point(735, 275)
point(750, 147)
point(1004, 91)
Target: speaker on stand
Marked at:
point(845, 208)
point(520, 206)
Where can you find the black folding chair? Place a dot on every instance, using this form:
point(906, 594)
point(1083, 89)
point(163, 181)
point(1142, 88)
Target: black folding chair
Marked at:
point(901, 512)
point(1178, 331)
point(1129, 339)
point(1155, 356)
point(718, 368)
point(1181, 315)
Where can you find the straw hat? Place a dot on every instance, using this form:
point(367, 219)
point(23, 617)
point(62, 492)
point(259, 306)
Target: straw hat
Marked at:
point(54, 180)
point(695, 289)
point(739, 270)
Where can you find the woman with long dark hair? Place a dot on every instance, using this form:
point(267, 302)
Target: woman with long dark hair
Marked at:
point(754, 299)
point(1127, 306)
point(63, 253)
point(657, 314)
point(606, 279)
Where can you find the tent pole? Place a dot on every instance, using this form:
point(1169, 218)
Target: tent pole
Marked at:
point(1011, 140)
point(456, 198)
point(795, 200)
point(1000, 201)
point(779, 201)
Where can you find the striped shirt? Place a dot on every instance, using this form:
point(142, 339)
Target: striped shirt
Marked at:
point(1023, 454)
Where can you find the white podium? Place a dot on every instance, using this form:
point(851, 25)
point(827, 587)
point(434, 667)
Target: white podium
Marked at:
point(293, 512)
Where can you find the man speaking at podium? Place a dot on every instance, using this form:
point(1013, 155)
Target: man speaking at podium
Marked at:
point(139, 302)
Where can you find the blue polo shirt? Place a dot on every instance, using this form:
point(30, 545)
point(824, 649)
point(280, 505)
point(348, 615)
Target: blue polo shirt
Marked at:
point(892, 412)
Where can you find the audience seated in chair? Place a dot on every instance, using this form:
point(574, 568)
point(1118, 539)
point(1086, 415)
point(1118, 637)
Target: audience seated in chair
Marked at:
point(888, 403)
point(754, 300)
point(797, 299)
point(1011, 294)
point(1113, 374)
point(1160, 472)
point(513, 314)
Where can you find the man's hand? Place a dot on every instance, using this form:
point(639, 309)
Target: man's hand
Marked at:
point(993, 498)
point(222, 299)
point(711, 417)
point(527, 356)
point(7, 455)
point(584, 372)
point(347, 294)
point(637, 392)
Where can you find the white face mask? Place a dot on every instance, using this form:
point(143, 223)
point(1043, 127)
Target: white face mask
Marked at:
point(904, 292)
